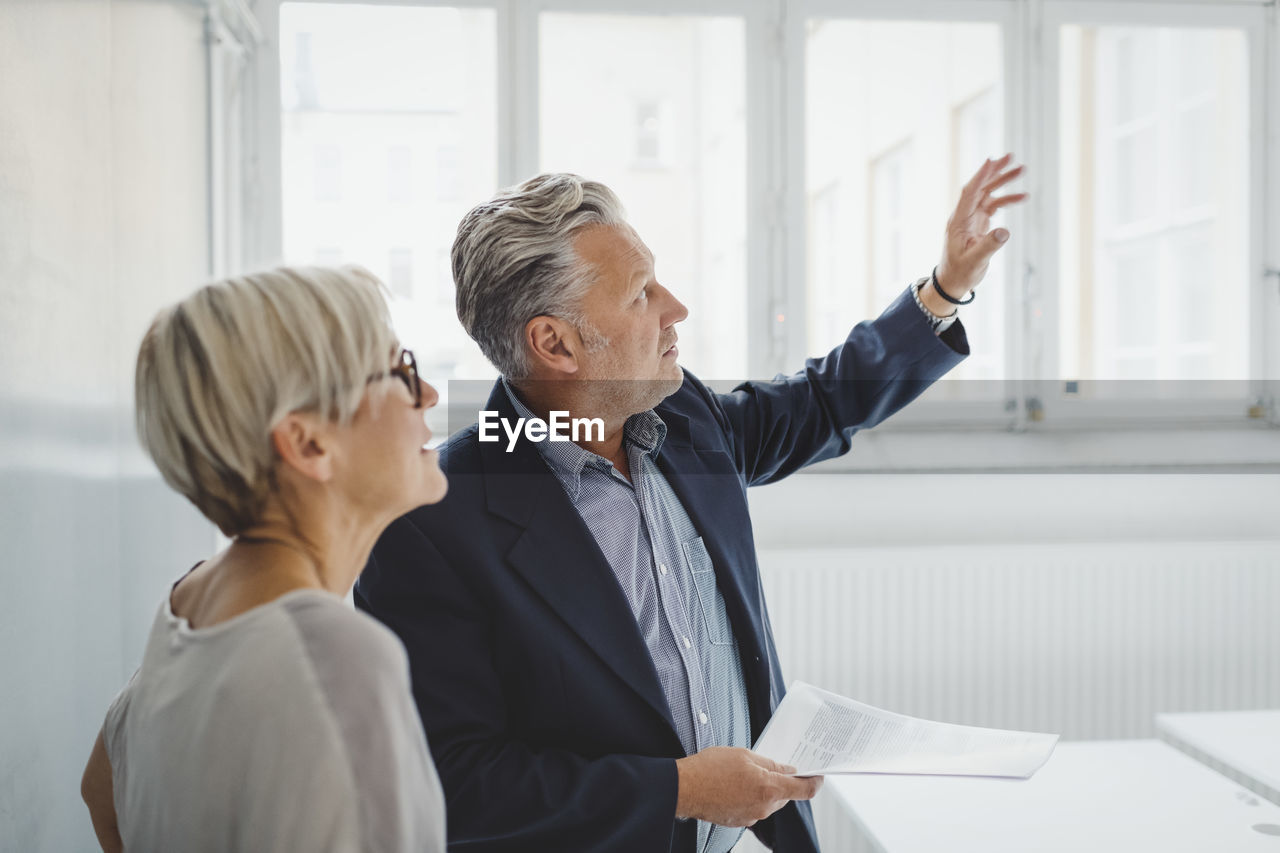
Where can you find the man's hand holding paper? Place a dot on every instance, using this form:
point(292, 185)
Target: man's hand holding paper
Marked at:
point(730, 786)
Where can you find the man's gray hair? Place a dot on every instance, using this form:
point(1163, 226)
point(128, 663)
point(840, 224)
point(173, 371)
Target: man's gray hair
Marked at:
point(514, 260)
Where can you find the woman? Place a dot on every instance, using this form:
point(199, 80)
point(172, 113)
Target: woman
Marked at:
point(268, 715)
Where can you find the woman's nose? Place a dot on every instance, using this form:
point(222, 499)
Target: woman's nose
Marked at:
point(429, 395)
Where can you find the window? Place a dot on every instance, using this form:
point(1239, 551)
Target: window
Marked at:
point(895, 150)
point(327, 161)
point(792, 164)
point(828, 277)
point(448, 173)
point(1155, 170)
point(889, 224)
point(977, 133)
point(374, 90)
point(400, 173)
point(444, 290)
point(648, 133)
point(686, 113)
point(400, 272)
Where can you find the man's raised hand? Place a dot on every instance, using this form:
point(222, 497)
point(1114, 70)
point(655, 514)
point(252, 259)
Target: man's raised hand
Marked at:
point(969, 245)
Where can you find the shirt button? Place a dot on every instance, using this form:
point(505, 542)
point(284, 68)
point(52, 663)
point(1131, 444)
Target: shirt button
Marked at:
point(702, 717)
point(687, 644)
point(663, 568)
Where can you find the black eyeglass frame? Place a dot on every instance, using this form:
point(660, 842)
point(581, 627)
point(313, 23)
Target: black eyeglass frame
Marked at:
point(406, 370)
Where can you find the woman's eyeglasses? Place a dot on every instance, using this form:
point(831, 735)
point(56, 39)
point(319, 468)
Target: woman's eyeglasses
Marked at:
point(406, 370)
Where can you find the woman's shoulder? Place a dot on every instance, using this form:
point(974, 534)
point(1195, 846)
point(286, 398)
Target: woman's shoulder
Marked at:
point(340, 639)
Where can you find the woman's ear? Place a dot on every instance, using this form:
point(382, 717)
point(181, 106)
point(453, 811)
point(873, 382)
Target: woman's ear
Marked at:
point(304, 442)
point(554, 346)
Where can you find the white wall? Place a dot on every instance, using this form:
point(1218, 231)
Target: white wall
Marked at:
point(102, 220)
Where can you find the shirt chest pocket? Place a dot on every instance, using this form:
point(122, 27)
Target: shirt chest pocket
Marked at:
point(709, 606)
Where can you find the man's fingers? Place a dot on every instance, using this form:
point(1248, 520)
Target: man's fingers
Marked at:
point(970, 198)
point(994, 204)
point(999, 180)
point(984, 181)
point(814, 785)
point(989, 178)
point(800, 787)
point(988, 169)
point(994, 241)
point(771, 765)
point(980, 175)
point(972, 191)
point(1012, 198)
point(978, 254)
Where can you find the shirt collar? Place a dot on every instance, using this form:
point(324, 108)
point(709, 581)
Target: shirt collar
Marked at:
point(644, 431)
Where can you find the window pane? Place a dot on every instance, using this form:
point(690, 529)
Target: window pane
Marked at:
point(886, 156)
point(399, 173)
point(400, 272)
point(1154, 230)
point(669, 137)
point(379, 103)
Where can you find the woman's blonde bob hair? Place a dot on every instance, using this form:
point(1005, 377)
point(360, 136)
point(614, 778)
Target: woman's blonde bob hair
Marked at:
point(218, 370)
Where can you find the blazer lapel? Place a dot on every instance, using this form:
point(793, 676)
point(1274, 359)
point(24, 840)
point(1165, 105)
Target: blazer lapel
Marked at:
point(558, 557)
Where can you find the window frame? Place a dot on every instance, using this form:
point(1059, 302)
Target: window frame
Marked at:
point(777, 227)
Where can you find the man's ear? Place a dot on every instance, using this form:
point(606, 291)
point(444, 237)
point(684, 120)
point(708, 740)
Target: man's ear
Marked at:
point(304, 445)
point(553, 344)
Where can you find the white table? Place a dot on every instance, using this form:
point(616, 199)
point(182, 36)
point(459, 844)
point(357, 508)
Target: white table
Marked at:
point(1242, 745)
point(1094, 796)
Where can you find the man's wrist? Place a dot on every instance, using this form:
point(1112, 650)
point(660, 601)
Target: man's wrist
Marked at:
point(939, 316)
point(683, 786)
point(934, 301)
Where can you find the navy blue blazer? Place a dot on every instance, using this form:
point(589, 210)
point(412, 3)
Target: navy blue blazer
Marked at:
point(544, 713)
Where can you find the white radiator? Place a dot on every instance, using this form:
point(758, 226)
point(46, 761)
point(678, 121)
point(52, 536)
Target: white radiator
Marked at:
point(1090, 641)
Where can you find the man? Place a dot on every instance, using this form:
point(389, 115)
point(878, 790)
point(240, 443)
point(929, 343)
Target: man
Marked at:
point(590, 650)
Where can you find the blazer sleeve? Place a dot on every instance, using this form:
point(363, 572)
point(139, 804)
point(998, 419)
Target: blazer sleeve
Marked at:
point(775, 428)
point(502, 794)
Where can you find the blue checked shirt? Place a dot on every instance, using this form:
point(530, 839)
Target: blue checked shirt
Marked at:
point(666, 574)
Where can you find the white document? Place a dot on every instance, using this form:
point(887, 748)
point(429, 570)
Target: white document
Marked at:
point(818, 732)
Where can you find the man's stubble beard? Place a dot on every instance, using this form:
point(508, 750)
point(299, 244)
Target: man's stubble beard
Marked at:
point(622, 398)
